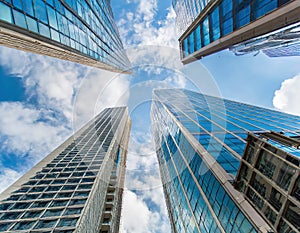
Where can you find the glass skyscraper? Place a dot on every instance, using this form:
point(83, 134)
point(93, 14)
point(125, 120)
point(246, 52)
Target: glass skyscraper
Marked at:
point(76, 188)
point(283, 51)
point(81, 31)
point(206, 27)
point(199, 142)
point(283, 42)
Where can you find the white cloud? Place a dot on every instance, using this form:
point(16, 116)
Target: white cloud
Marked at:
point(17, 62)
point(137, 217)
point(147, 200)
point(287, 97)
point(33, 128)
point(141, 28)
point(136, 214)
point(23, 131)
point(7, 177)
point(98, 90)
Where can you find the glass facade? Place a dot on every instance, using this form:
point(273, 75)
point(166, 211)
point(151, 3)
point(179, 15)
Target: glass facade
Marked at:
point(283, 51)
point(221, 19)
point(269, 178)
point(187, 11)
point(84, 27)
point(199, 143)
point(72, 188)
point(282, 42)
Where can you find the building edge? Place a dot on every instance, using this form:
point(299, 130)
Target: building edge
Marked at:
point(284, 16)
point(18, 38)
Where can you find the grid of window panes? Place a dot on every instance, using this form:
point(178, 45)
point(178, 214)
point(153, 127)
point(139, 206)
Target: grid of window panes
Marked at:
point(283, 51)
point(85, 26)
point(55, 198)
point(269, 177)
point(221, 127)
point(224, 18)
point(197, 202)
point(187, 11)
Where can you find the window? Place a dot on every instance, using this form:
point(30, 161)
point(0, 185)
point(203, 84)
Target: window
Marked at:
point(81, 194)
point(197, 35)
point(73, 211)
point(32, 214)
point(85, 186)
point(67, 222)
point(226, 17)
point(4, 226)
point(59, 203)
point(5, 13)
point(45, 224)
point(11, 215)
point(23, 225)
point(64, 195)
point(242, 13)
point(293, 214)
point(53, 188)
point(53, 212)
point(69, 187)
point(40, 10)
point(22, 205)
point(215, 24)
point(39, 204)
point(78, 202)
point(38, 189)
point(262, 7)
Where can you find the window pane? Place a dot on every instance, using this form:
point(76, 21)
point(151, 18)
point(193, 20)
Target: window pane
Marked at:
point(45, 224)
point(205, 31)
point(5, 13)
point(23, 225)
point(40, 10)
point(215, 24)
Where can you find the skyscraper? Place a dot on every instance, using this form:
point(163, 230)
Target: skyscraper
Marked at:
point(199, 143)
point(206, 27)
point(76, 30)
point(76, 188)
point(283, 51)
point(282, 42)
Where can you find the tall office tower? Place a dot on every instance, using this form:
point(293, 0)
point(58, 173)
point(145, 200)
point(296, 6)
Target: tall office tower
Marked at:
point(207, 27)
point(283, 51)
point(76, 188)
point(199, 142)
point(282, 42)
point(81, 31)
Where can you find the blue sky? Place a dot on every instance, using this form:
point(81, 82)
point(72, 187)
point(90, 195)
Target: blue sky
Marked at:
point(43, 100)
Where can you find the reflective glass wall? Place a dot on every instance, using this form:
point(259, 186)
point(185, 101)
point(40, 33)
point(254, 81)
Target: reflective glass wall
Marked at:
point(86, 27)
point(225, 17)
point(200, 139)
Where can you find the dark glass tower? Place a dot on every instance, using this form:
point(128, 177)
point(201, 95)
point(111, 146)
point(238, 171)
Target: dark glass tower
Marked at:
point(81, 31)
point(76, 188)
point(206, 27)
point(199, 143)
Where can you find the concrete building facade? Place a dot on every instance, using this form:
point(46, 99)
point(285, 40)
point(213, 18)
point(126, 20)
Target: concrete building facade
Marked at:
point(76, 188)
